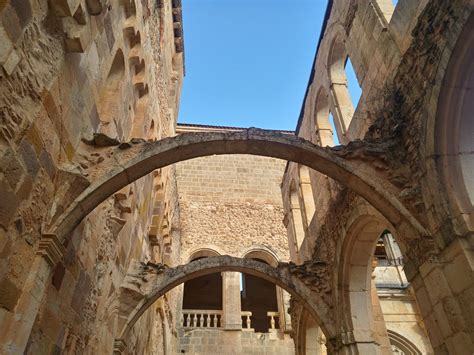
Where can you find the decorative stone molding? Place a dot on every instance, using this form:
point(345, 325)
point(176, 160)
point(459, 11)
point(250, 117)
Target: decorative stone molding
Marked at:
point(295, 310)
point(177, 26)
point(316, 275)
point(51, 249)
point(119, 346)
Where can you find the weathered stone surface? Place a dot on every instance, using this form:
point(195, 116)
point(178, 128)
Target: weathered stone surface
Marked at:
point(135, 162)
point(9, 294)
point(8, 204)
point(73, 68)
point(45, 94)
point(400, 56)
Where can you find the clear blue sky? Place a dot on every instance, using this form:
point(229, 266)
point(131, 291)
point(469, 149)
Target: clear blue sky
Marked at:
point(248, 61)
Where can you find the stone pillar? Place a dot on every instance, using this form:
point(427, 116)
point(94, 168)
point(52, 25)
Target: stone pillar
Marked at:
point(232, 319)
point(343, 109)
point(380, 330)
point(15, 337)
point(443, 287)
point(283, 299)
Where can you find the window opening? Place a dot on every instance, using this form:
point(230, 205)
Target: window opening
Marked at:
point(260, 298)
point(355, 90)
point(333, 127)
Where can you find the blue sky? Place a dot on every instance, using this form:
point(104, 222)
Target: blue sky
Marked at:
point(248, 61)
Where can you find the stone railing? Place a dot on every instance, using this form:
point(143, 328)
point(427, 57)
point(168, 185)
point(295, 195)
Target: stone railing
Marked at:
point(246, 320)
point(272, 316)
point(200, 318)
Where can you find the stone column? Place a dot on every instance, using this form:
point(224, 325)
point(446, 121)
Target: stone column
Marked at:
point(283, 299)
point(443, 288)
point(379, 329)
point(231, 307)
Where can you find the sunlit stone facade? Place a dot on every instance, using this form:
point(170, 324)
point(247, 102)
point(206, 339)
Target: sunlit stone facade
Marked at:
point(123, 232)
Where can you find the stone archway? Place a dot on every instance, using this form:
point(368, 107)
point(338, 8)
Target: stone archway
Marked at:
point(122, 165)
point(355, 289)
point(145, 283)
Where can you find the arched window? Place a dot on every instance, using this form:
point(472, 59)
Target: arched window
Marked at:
point(203, 293)
point(355, 90)
point(343, 102)
point(343, 108)
point(307, 194)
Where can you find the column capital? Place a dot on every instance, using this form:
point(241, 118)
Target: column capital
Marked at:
point(51, 249)
point(119, 346)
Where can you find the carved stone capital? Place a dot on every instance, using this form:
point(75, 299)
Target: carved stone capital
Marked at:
point(119, 346)
point(51, 249)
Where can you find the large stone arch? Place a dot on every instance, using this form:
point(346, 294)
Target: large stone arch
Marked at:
point(449, 132)
point(122, 165)
point(145, 283)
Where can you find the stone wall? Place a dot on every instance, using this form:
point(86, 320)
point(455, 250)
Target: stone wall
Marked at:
point(231, 205)
point(400, 56)
point(231, 202)
point(71, 69)
point(218, 341)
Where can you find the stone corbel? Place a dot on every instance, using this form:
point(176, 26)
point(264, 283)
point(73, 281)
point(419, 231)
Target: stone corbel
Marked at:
point(119, 346)
point(51, 249)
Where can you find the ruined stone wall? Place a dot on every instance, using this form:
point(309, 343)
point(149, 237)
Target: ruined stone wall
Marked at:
point(70, 69)
point(400, 55)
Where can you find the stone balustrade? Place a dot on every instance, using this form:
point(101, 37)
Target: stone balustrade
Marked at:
point(246, 317)
point(200, 318)
point(272, 316)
